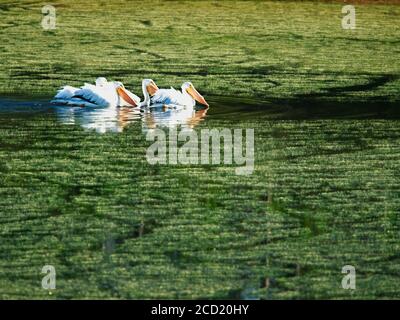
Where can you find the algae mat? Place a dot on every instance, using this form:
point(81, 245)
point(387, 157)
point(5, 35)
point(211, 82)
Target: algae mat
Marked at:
point(325, 187)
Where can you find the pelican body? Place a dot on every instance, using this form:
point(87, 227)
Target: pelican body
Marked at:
point(187, 97)
point(102, 94)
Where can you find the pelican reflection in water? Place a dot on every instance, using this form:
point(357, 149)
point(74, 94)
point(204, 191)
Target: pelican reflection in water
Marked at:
point(99, 119)
point(112, 119)
point(170, 117)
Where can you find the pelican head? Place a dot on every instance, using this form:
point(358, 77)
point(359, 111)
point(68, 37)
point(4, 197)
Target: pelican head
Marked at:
point(101, 82)
point(190, 89)
point(126, 95)
point(118, 84)
point(149, 86)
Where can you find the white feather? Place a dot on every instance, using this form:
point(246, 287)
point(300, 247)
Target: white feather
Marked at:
point(103, 94)
point(65, 93)
point(169, 96)
point(100, 96)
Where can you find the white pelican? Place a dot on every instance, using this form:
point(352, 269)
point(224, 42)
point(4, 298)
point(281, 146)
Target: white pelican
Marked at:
point(187, 97)
point(149, 88)
point(102, 94)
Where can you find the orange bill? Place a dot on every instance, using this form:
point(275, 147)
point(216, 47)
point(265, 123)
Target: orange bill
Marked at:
point(152, 88)
point(197, 96)
point(125, 95)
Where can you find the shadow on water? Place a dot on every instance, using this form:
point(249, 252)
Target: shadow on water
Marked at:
point(104, 120)
point(22, 106)
point(117, 119)
point(301, 109)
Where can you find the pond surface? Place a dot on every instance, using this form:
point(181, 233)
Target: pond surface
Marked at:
point(77, 192)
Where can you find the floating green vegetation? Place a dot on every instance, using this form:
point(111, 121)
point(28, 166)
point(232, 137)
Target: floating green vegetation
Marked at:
point(324, 193)
point(282, 50)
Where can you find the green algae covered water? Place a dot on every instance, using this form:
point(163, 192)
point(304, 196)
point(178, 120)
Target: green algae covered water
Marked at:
point(77, 192)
